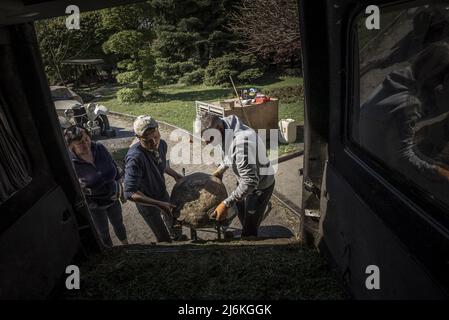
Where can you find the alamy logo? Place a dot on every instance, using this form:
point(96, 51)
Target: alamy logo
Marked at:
point(373, 280)
point(246, 147)
point(72, 21)
point(373, 20)
point(73, 280)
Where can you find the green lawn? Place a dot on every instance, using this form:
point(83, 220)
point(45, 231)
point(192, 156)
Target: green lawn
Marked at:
point(175, 104)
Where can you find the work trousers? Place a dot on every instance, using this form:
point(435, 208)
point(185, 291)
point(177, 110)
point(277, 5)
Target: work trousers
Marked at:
point(153, 218)
point(100, 216)
point(251, 210)
point(160, 222)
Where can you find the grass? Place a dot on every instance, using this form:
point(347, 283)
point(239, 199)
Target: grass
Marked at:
point(293, 110)
point(243, 272)
point(175, 104)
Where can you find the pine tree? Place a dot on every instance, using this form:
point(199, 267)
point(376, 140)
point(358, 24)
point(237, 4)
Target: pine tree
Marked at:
point(130, 43)
point(188, 34)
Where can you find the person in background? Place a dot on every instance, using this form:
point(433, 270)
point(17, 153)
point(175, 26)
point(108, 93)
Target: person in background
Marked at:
point(100, 181)
point(145, 166)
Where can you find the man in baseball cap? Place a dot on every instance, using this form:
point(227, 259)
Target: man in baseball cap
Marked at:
point(142, 123)
point(145, 165)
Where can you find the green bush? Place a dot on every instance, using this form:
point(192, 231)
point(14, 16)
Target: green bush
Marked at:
point(126, 42)
point(127, 95)
point(164, 71)
point(170, 72)
point(219, 69)
point(186, 66)
point(248, 60)
point(250, 75)
point(287, 94)
point(242, 68)
point(194, 77)
point(127, 65)
point(127, 77)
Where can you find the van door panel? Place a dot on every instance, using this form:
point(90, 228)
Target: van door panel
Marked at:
point(35, 251)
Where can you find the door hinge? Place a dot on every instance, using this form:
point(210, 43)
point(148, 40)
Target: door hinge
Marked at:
point(310, 187)
point(312, 213)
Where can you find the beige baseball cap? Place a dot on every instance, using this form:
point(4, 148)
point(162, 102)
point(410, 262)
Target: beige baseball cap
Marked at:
point(143, 123)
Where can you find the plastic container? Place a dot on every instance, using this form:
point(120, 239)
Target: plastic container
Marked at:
point(287, 130)
point(197, 127)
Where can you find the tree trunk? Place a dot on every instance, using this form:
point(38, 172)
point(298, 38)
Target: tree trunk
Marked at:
point(139, 70)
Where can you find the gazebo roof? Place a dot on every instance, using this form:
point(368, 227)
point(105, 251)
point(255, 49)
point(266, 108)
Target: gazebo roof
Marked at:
point(83, 61)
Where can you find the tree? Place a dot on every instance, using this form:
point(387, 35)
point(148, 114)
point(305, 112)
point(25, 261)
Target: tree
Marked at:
point(130, 43)
point(188, 34)
point(57, 43)
point(245, 69)
point(269, 29)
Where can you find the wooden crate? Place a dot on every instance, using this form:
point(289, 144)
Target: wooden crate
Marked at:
point(256, 116)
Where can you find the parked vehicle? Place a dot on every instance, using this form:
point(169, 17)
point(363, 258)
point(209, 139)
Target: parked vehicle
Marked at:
point(72, 110)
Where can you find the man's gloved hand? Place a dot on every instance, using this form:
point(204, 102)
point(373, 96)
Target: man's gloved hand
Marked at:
point(221, 212)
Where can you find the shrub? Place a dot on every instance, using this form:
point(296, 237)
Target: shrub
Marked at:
point(128, 77)
point(164, 71)
point(219, 69)
point(287, 94)
point(127, 95)
point(186, 66)
point(170, 72)
point(250, 75)
point(126, 42)
point(248, 60)
point(194, 77)
point(126, 64)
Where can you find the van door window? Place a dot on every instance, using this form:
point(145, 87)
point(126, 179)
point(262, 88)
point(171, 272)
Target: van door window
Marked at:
point(401, 116)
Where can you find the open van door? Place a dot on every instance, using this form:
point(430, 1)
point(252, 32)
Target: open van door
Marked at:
point(44, 220)
point(375, 191)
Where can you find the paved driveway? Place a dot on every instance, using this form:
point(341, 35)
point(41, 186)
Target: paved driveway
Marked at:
point(281, 222)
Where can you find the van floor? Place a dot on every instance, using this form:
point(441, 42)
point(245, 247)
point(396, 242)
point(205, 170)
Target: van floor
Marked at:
point(234, 269)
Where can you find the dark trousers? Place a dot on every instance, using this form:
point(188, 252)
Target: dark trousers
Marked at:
point(100, 216)
point(153, 218)
point(251, 210)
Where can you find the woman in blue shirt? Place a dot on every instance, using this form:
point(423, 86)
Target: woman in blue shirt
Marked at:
point(99, 178)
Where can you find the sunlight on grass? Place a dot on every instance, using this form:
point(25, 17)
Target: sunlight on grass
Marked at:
point(175, 104)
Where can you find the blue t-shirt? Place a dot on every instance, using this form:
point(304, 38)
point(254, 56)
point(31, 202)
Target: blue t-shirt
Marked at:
point(99, 178)
point(144, 171)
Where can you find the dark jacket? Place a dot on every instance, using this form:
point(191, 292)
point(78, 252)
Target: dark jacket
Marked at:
point(144, 172)
point(99, 180)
